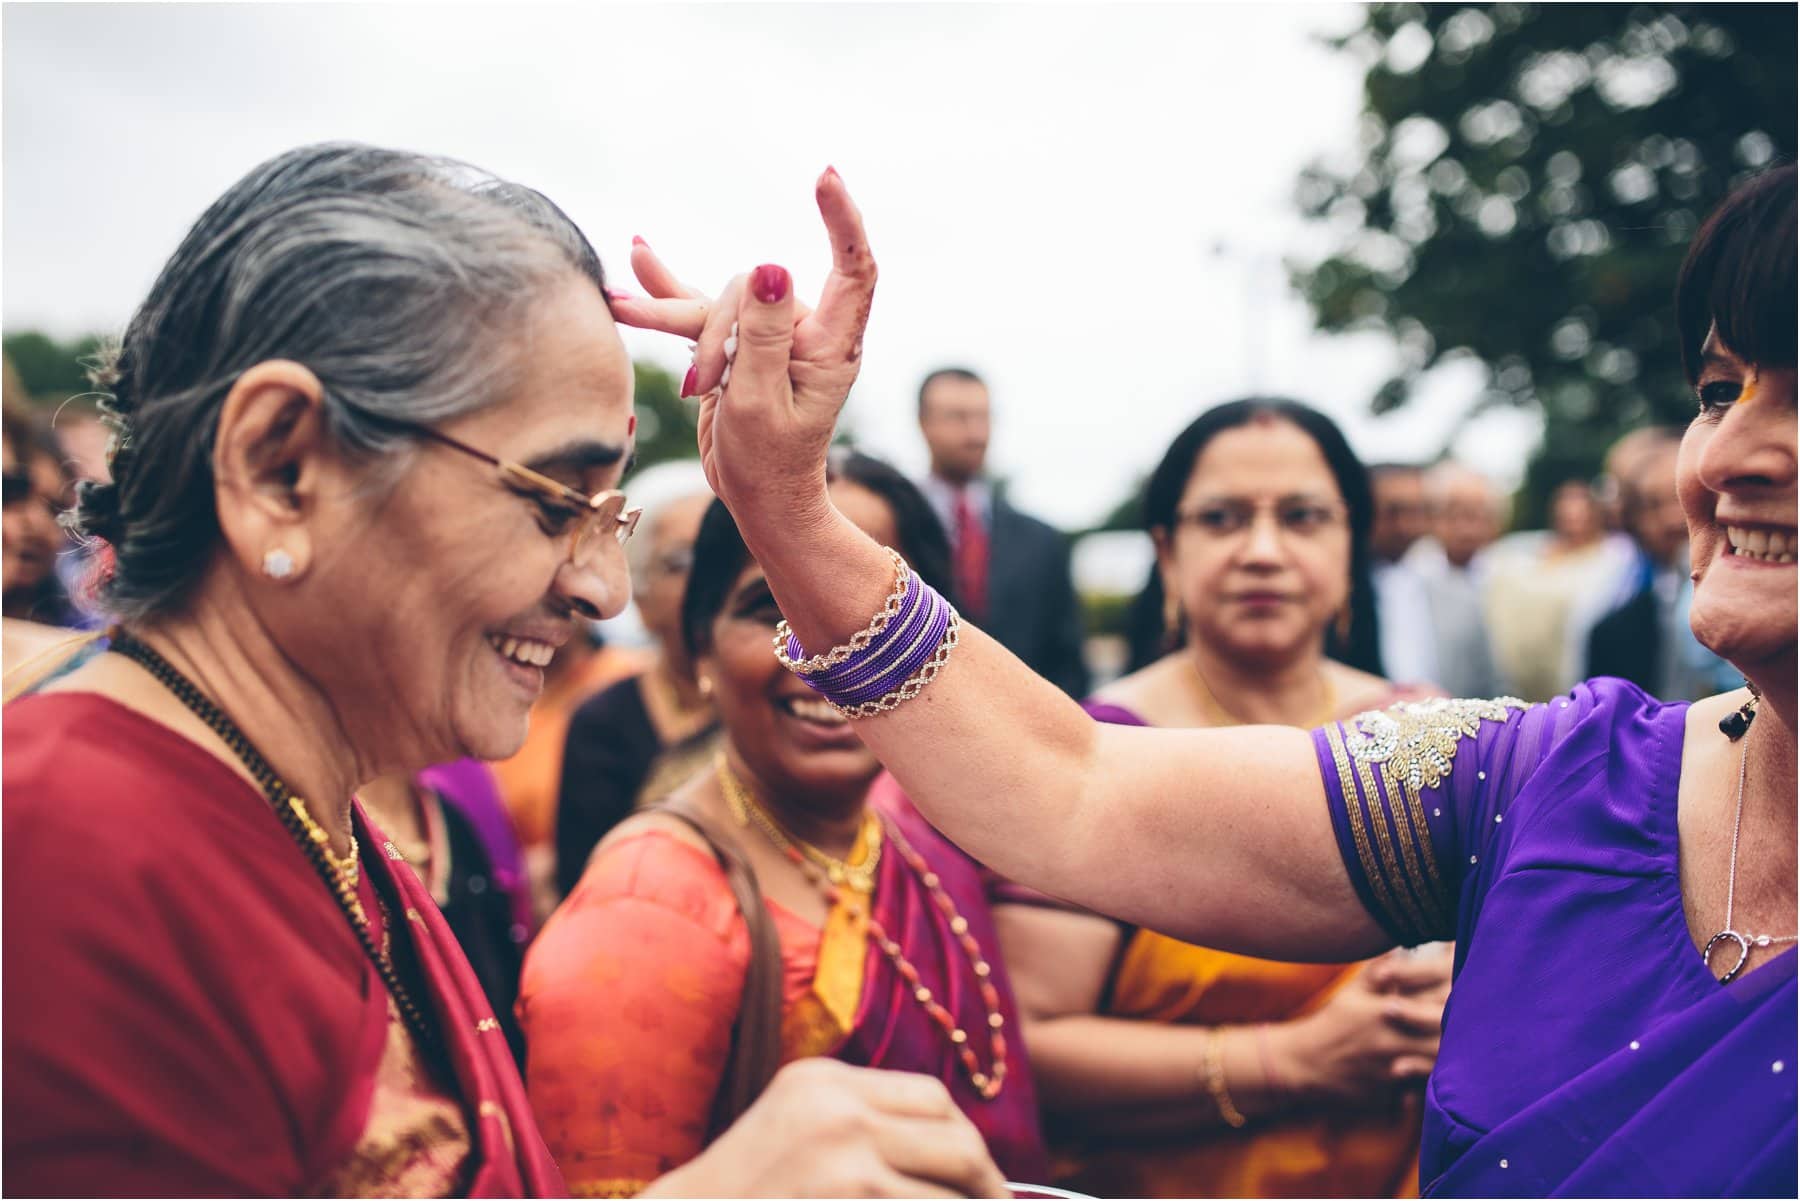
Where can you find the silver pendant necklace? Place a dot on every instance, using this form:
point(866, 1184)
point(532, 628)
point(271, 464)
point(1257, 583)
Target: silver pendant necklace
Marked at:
point(1730, 934)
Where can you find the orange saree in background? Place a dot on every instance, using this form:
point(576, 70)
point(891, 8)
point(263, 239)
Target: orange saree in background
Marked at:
point(1337, 1152)
point(1323, 1154)
point(631, 994)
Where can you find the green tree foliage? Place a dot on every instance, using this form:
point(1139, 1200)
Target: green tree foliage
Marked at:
point(666, 423)
point(50, 370)
point(1530, 176)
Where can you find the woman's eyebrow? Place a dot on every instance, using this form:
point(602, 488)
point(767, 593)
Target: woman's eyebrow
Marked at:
point(578, 455)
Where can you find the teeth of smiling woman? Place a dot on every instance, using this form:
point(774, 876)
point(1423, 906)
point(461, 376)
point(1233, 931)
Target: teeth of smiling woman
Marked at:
point(1767, 546)
point(812, 710)
point(524, 650)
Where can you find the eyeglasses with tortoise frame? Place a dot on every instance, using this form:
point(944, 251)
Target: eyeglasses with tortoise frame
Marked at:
point(560, 507)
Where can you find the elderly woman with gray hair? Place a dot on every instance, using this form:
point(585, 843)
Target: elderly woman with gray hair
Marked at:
point(371, 419)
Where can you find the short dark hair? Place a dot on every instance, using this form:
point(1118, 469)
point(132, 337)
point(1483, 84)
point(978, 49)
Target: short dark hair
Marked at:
point(1739, 275)
point(720, 554)
point(1162, 495)
point(959, 373)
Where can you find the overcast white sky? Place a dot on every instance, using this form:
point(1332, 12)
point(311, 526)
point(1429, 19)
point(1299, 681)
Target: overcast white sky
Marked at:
point(1046, 187)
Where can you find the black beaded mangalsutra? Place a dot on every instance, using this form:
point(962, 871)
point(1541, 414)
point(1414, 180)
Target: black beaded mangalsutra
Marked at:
point(1736, 724)
point(282, 799)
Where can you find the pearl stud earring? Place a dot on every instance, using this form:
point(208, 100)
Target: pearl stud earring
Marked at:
point(278, 564)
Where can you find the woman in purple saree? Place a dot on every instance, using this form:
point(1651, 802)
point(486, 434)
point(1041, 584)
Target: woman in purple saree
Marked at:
point(1587, 1049)
point(1618, 874)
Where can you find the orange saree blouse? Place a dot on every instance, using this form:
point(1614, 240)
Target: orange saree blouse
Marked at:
point(630, 998)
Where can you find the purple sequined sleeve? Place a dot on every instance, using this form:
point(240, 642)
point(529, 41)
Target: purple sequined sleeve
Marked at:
point(1418, 791)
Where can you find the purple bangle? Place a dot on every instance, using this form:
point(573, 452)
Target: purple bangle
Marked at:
point(891, 680)
point(855, 669)
point(908, 603)
point(895, 642)
point(901, 662)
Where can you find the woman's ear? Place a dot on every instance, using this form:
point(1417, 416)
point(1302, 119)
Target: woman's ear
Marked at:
point(269, 459)
point(1165, 555)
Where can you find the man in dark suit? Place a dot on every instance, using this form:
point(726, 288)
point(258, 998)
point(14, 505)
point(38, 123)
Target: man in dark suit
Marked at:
point(1646, 638)
point(1012, 571)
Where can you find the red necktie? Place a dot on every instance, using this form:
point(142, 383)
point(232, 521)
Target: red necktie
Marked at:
point(971, 558)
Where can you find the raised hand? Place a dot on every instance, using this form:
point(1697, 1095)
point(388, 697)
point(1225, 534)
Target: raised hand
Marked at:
point(763, 437)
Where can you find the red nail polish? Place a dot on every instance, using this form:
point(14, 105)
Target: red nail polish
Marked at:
point(690, 383)
point(769, 283)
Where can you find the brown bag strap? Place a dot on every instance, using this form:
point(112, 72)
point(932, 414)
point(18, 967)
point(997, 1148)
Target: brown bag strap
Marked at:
point(756, 1040)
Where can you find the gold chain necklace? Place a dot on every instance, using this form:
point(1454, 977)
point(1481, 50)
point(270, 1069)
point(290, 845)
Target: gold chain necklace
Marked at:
point(856, 871)
point(347, 867)
point(988, 1083)
point(1217, 710)
point(292, 812)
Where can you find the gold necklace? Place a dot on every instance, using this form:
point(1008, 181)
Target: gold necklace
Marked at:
point(987, 1084)
point(346, 867)
point(291, 811)
point(856, 871)
point(1216, 709)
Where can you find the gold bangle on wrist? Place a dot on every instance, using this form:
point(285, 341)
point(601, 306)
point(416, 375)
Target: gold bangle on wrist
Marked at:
point(858, 641)
point(1214, 1075)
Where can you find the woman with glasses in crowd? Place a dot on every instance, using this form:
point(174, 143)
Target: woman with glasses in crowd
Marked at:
point(372, 416)
point(636, 999)
point(634, 742)
point(1260, 515)
point(1618, 874)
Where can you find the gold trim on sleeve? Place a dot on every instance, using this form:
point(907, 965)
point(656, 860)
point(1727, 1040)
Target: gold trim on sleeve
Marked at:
point(1413, 745)
point(1359, 834)
point(1381, 816)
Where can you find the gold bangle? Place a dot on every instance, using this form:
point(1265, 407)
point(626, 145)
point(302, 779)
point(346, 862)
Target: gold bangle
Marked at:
point(1214, 1075)
point(913, 684)
point(858, 641)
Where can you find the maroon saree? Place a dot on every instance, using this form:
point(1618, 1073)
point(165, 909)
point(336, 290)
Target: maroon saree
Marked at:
point(186, 1011)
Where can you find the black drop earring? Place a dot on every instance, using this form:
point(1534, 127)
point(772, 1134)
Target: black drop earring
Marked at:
point(1736, 724)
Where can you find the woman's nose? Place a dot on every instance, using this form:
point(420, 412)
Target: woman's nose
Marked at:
point(596, 586)
point(1754, 444)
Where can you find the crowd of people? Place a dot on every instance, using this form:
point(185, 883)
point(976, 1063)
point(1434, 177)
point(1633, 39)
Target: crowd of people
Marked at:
point(346, 853)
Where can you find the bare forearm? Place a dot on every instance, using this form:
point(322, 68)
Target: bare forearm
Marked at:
point(1216, 837)
point(1093, 1067)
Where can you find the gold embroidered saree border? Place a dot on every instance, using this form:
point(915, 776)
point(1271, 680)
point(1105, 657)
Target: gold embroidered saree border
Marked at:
point(1381, 817)
point(1359, 834)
